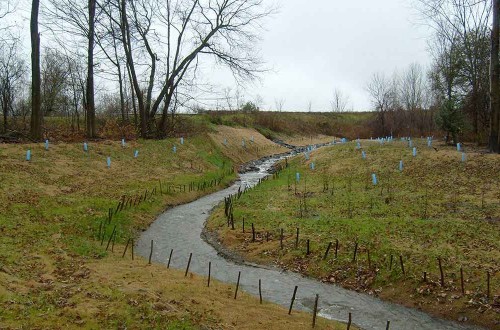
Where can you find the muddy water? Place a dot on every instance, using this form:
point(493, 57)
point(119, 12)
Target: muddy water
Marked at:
point(180, 229)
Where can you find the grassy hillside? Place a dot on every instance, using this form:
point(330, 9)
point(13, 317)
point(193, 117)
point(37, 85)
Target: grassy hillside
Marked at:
point(388, 234)
point(60, 266)
point(282, 125)
point(285, 124)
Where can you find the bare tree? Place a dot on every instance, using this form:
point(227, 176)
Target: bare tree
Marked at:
point(12, 70)
point(380, 89)
point(279, 104)
point(494, 137)
point(465, 23)
point(412, 87)
point(340, 101)
point(224, 30)
point(36, 115)
point(54, 80)
point(6, 7)
point(309, 106)
point(228, 97)
point(74, 22)
point(91, 125)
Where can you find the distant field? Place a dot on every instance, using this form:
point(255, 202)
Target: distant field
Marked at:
point(279, 124)
point(437, 207)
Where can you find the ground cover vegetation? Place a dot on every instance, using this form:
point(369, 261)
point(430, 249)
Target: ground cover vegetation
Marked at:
point(60, 264)
point(409, 238)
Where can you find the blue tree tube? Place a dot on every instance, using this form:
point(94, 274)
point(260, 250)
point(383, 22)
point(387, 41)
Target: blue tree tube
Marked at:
point(410, 143)
point(363, 154)
point(358, 145)
point(108, 162)
point(123, 143)
point(174, 149)
point(297, 176)
point(182, 140)
point(28, 155)
point(136, 153)
point(312, 166)
point(46, 144)
point(414, 152)
point(374, 179)
point(459, 147)
point(85, 147)
point(401, 165)
point(243, 143)
point(306, 155)
point(464, 157)
point(429, 143)
point(225, 142)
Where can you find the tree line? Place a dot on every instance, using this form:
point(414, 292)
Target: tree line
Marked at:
point(460, 92)
point(151, 50)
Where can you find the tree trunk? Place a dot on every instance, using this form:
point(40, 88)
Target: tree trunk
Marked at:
point(127, 47)
point(91, 129)
point(122, 97)
point(495, 79)
point(5, 107)
point(36, 115)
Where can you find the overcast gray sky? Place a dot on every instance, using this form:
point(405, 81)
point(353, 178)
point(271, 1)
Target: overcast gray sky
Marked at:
point(316, 46)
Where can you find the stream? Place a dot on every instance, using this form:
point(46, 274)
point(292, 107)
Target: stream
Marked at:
point(181, 227)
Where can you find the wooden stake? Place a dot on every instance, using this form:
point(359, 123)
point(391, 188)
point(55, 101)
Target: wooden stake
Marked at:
point(297, 239)
point(425, 277)
point(327, 250)
point(349, 322)
point(390, 262)
point(462, 280)
point(315, 311)
point(111, 237)
point(126, 247)
point(132, 246)
point(488, 285)
point(441, 272)
point(209, 272)
point(388, 324)
point(237, 285)
point(281, 238)
point(307, 250)
point(355, 251)
point(253, 233)
point(336, 248)
point(150, 253)
point(187, 267)
point(170, 258)
point(260, 291)
point(293, 299)
point(402, 265)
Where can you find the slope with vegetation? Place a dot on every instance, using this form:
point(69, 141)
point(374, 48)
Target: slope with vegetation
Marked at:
point(391, 239)
point(58, 271)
